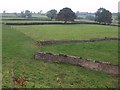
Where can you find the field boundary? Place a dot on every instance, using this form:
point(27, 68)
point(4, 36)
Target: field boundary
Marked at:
point(50, 42)
point(55, 23)
point(48, 23)
point(79, 61)
point(106, 67)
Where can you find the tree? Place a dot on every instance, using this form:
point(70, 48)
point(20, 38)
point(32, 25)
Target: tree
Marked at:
point(22, 14)
point(77, 13)
point(40, 12)
point(28, 13)
point(103, 16)
point(4, 11)
point(66, 14)
point(52, 14)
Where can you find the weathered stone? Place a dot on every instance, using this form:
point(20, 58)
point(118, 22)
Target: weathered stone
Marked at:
point(93, 65)
point(73, 41)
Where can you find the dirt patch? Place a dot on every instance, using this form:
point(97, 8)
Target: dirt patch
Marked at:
point(86, 63)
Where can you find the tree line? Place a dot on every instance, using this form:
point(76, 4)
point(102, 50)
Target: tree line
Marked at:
point(66, 14)
point(102, 15)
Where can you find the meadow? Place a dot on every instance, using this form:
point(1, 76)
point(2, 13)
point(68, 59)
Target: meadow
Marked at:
point(67, 32)
point(19, 46)
point(106, 51)
point(14, 16)
point(26, 21)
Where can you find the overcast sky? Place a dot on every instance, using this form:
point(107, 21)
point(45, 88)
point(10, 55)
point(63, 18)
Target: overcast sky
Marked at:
point(45, 5)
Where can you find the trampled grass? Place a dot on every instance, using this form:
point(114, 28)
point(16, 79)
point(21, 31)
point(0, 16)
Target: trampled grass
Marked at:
point(106, 51)
point(18, 50)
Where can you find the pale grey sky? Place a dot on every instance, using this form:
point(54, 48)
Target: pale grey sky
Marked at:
point(45, 5)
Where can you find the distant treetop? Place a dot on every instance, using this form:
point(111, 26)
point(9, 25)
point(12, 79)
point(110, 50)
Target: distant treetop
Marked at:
point(103, 16)
point(66, 14)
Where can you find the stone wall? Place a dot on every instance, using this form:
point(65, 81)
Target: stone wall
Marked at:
point(49, 42)
point(86, 63)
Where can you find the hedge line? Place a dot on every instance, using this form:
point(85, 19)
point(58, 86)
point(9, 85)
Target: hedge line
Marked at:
point(33, 23)
point(41, 23)
point(53, 22)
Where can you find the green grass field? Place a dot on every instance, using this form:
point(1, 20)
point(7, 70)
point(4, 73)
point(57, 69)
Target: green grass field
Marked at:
point(67, 32)
point(13, 16)
point(26, 21)
point(19, 47)
point(102, 51)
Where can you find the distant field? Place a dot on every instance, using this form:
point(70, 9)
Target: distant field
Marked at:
point(39, 16)
point(19, 47)
point(8, 14)
point(13, 16)
point(69, 32)
point(26, 21)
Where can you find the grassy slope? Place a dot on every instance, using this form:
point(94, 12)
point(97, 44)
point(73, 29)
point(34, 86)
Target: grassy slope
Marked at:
point(103, 51)
point(51, 32)
point(18, 49)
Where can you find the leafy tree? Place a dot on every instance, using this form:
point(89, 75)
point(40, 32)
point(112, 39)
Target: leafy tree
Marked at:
point(40, 12)
point(22, 14)
point(52, 14)
point(66, 14)
point(77, 13)
point(103, 16)
point(4, 11)
point(28, 13)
